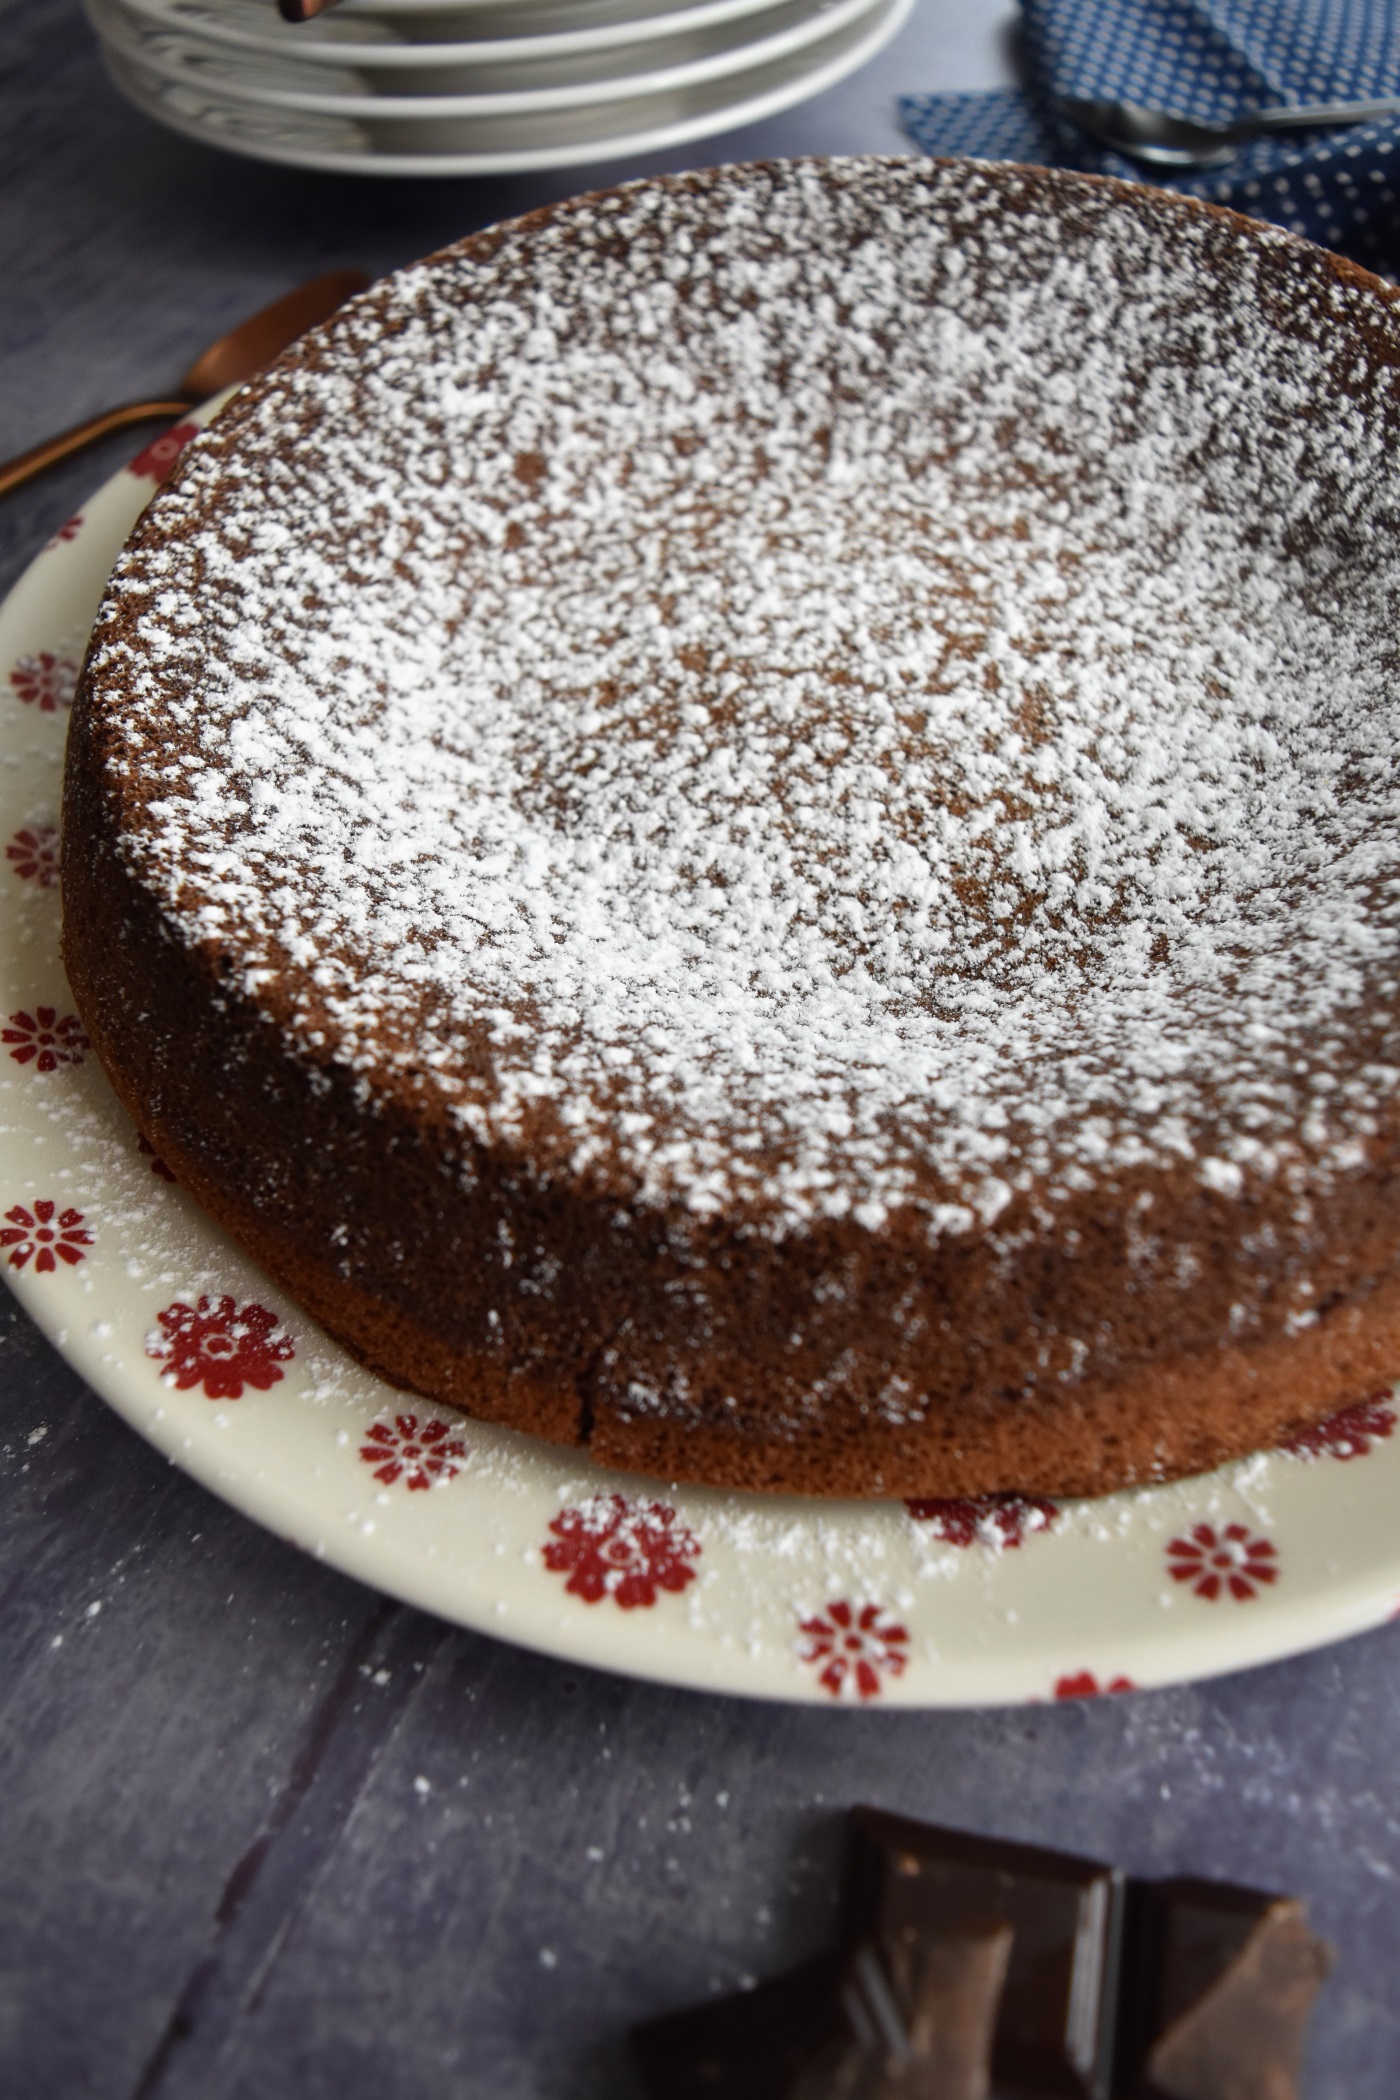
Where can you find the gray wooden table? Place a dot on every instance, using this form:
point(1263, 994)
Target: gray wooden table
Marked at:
point(264, 1833)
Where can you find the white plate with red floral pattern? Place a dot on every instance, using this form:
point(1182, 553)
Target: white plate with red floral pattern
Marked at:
point(934, 1604)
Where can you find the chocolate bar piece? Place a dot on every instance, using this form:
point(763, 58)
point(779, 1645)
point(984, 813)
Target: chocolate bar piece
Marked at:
point(911, 2020)
point(1055, 2030)
point(748, 2047)
point(1219, 1982)
point(922, 2011)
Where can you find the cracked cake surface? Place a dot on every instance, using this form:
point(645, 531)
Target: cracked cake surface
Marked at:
point(758, 814)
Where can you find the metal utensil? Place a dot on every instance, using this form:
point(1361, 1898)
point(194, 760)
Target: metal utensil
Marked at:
point(1160, 139)
point(302, 10)
point(234, 358)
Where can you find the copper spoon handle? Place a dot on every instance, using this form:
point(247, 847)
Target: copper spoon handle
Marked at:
point(302, 10)
point(229, 362)
point(15, 472)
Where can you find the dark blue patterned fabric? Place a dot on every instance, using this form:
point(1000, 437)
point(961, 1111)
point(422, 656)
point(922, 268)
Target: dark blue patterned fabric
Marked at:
point(1214, 61)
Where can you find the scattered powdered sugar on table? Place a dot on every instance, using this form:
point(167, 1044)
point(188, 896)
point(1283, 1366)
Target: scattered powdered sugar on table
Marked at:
point(825, 688)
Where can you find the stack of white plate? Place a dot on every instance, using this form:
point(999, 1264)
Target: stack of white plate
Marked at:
point(478, 87)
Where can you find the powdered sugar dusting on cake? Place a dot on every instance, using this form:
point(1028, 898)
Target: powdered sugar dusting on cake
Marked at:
point(825, 689)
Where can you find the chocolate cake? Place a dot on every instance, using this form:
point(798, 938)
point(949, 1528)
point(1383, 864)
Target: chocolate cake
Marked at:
point(752, 822)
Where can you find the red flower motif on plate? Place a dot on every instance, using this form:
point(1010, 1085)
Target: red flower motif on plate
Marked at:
point(44, 1041)
point(426, 1455)
point(610, 1547)
point(158, 458)
point(49, 1238)
point(857, 1646)
point(68, 530)
point(158, 1166)
point(1349, 1433)
point(1231, 1559)
point(1083, 1684)
point(33, 854)
point(998, 1520)
point(45, 681)
point(220, 1345)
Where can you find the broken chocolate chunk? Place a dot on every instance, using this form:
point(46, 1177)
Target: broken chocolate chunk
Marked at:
point(747, 2047)
point(922, 2012)
point(1219, 1984)
point(971, 1969)
point(1055, 2030)
point(910, 2020)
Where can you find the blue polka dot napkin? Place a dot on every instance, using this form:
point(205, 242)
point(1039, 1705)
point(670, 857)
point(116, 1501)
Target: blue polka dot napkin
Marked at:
point(1216, 60)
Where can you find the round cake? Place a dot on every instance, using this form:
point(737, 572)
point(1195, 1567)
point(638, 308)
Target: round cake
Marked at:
point(752, 822)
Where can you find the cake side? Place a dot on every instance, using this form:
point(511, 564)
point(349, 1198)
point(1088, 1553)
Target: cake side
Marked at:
point(449, 1270)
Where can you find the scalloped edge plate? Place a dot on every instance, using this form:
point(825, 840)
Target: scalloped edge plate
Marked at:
point(549, 139)
point(324, 40)
point(184, 61)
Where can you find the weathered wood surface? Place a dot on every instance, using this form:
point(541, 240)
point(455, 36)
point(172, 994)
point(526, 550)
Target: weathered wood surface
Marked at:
point(266, 1836)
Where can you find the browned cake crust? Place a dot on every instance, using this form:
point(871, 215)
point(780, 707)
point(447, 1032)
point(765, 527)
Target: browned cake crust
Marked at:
point(1189, 1257)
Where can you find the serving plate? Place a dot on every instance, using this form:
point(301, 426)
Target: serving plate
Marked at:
point(847, 1604)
